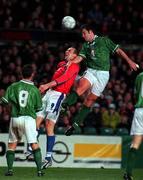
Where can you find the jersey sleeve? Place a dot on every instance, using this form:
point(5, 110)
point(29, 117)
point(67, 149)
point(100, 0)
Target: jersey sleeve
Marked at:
point(72, 70)
point(111, 45)
point(7, 97)
point(82, 52)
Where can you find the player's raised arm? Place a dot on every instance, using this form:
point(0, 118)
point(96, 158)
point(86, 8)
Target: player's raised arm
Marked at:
point(44, 87)
point(131, 63)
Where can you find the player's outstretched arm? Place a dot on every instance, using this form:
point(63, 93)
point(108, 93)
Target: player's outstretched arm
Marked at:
point(45, 87)
point(131, 63)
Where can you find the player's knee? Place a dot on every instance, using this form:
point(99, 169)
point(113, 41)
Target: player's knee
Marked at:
point(12, 145)
point(34, 146)
point(50, 128)
point(80, 91)
point(50, 131)
point(88, 103)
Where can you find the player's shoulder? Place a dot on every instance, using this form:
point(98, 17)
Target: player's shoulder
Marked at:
point(140, 75)
point(14, 84)
point(104, 38)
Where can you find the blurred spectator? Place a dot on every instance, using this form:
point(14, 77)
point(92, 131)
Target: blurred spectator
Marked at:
point(111, 117)
point(124, 122)
point(94, 118)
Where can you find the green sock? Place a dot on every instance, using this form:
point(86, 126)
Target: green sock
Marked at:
point(70, 99)
point(79, 118)
point(10, 155)
point(131, 160)
point(38, 158)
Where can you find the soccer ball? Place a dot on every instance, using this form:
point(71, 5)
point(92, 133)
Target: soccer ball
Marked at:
point(68, 22)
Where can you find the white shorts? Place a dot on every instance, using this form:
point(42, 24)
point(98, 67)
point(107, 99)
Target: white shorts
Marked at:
point(98, 80)
point(137, 123)
point(22, 125)
point(52, 101)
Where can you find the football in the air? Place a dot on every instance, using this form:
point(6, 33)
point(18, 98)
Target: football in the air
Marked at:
point(68, 22)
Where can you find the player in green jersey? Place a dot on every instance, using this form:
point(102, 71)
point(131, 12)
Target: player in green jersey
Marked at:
point(96, 52)
point(137, 127)
point(25, 101)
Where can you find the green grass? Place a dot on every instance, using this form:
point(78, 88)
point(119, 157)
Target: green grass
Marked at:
point(22, 173)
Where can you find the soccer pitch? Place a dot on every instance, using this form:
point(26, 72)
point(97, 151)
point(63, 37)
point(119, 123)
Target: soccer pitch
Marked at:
point(21, 173)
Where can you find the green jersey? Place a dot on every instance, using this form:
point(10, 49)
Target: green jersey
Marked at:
point(139, 90)
point(24, 97)
point(97, 53)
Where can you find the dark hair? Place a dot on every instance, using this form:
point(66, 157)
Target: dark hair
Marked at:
point(88, 27)
point(27, 71)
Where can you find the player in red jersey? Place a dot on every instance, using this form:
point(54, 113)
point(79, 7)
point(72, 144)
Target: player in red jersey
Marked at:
point(56, 91)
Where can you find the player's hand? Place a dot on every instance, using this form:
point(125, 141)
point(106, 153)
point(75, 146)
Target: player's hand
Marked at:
point(133, 66)
point(43, 88)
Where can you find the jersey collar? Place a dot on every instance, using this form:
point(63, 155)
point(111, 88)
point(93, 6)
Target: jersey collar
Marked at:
point(27, 81)
point(93, 42)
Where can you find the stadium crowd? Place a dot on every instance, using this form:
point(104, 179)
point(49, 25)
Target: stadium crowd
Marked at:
point(115, 107)
point(109, 16)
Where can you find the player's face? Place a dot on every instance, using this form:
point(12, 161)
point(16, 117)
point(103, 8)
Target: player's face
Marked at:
point(88, 35)
point(70, 54)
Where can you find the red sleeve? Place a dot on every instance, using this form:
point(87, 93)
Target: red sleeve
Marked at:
point(60, 64)
point(71, 71)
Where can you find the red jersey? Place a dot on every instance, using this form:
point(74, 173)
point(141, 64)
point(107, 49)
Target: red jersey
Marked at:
point(65, 76)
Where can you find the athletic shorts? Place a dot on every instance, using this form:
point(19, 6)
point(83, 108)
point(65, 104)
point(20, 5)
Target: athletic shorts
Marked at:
point(23, 125)
point(98, 80)
point(137, 123)
point(51, 107)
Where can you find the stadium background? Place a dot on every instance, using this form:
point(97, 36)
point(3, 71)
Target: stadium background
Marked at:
point(31, 32)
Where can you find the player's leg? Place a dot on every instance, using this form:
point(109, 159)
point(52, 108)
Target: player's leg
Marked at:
point(53, 108)
point(37, 157)
point(98, 81)
point(137, 139)
point(40, 117)
point(29, 152)
point(31, 136)
point(85, 109)
point(137, 133)
point(15, 135)
point(71, 99)
point(10, 156)
point(50, 143)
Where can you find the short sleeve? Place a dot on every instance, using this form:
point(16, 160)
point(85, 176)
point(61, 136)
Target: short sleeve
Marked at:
point(111, 45)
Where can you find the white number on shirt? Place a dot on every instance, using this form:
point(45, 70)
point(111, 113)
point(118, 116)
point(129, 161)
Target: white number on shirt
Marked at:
point(23, 97)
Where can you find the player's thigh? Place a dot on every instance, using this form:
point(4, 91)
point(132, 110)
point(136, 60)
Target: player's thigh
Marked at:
point(54, 105)
point(100, 81)
point(137, 123)
point(30, 130)
point(39, 120)
point(16, 130)
point(42, 113)
point(85, 82)
point(84, 85)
